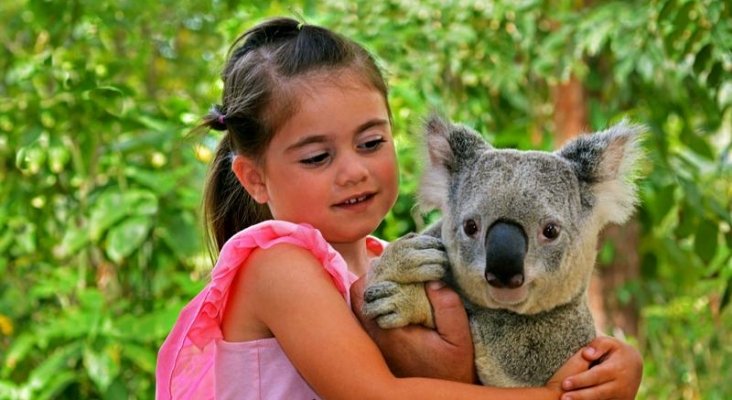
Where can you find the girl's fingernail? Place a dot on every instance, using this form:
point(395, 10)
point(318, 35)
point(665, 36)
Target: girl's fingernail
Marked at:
point(590, 351)
point(435, 285)
point(567, 384)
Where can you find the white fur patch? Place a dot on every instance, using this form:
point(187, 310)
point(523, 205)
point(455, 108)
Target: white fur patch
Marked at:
point(435, 179)
point(620, 165)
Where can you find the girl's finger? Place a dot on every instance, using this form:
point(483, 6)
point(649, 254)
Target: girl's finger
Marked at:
point(592, 377)
point(599, 347)
point(593, 393)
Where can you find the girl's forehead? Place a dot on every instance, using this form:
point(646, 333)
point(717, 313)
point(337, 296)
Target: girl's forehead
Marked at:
point(313, 82)
point(331, 108)
point(300, 92)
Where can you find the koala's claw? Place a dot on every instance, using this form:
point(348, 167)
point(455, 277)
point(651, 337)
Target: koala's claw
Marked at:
point(385, 311)
point(392, 320)
point(379, 290)
point(379, 300)
point(394, 305)
point(426, 272)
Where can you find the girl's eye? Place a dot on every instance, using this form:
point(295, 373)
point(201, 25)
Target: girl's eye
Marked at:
point(316, 160)
point(372, 144)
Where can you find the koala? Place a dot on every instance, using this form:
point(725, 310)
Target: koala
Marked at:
point(517, 240)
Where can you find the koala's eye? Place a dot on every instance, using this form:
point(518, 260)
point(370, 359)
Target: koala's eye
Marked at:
point(470, 227)
point(551, 231)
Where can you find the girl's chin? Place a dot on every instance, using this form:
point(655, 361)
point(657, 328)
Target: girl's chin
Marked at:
point(352, 234)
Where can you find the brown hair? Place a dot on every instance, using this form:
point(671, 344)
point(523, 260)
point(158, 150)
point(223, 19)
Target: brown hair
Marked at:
point(262, 65)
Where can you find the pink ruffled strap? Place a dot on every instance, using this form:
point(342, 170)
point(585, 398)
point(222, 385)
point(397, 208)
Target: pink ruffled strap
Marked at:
point(186, 359)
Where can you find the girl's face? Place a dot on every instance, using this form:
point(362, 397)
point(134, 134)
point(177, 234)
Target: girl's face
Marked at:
point(332, 164)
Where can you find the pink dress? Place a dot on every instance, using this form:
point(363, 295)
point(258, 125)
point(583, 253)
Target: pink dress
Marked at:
point(195, 362)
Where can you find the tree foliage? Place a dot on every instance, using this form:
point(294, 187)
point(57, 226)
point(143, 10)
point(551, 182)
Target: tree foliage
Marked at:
point(101, 239)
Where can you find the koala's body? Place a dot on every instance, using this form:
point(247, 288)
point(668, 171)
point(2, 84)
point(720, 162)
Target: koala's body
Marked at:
point(520, 231)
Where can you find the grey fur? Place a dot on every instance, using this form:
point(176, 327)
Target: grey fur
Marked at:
point(521, 334)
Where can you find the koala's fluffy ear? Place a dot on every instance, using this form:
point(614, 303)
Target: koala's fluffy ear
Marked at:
point(449, 147)
point(607, 164)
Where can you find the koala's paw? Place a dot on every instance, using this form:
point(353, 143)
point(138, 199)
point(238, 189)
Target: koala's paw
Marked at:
point(395, 305)
point(413, 258)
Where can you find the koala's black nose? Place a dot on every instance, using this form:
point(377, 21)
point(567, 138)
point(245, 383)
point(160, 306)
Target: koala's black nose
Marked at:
point(506, 247)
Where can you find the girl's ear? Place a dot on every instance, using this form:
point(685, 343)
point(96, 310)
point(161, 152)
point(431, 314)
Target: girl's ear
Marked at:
point(250, 176)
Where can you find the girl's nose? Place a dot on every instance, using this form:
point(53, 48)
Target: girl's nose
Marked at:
point(351, 170)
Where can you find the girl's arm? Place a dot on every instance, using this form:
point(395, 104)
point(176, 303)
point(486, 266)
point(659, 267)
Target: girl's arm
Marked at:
point(297, 301)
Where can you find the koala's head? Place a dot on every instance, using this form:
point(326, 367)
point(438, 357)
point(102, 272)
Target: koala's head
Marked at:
point(521, 227)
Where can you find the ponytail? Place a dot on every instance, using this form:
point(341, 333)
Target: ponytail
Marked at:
point(227, 207)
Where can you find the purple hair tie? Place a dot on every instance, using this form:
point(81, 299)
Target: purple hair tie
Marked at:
point(222, 119)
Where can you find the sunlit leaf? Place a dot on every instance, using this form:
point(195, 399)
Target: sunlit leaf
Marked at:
point(109, 98)
point(56, 384)
point(100, 367)
point(127, 237)
point(112, 206)
point(60, 359)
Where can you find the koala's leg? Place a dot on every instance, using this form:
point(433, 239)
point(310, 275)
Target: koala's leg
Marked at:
point(394, 305)
point(394, 294)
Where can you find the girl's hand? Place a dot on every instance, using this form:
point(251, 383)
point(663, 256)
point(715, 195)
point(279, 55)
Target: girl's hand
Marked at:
point(575, 366)
point(615, 372)
point(414, 350)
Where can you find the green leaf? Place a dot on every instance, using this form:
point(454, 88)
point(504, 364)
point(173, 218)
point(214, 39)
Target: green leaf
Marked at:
point(180, 234)
point(74, 239)
point(143, 357)
point(687, 222)
point(43, 375)
point(107, 210)
point(726, 295)
point(109, 98)
point(715, 75)
point(664, 201)
point(607, 253)
point(127, 237)
point(702, 58)
point(56, 384)
point(91, 299)
point(9, 390)
point(705, 240)
point(29, 159)
point(112, 206)
point(17, 352)
point(101, 367)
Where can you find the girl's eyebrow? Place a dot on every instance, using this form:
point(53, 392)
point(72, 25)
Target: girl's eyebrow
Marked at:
point(306, 141)
point(370, 124)
point(324, 138)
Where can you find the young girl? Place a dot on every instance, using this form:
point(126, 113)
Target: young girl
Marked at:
point(306, 171)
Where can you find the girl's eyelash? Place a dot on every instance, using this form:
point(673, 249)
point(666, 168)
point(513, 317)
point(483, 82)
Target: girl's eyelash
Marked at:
point(372, 144)
point(322, 158)
point(315, 160)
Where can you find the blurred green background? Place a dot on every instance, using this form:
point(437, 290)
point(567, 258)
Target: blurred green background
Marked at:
point(100, 183)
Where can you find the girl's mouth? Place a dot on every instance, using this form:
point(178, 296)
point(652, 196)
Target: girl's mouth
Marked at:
point(353, 201)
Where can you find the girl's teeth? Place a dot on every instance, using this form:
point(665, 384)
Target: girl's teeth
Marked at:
point(354, 201)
